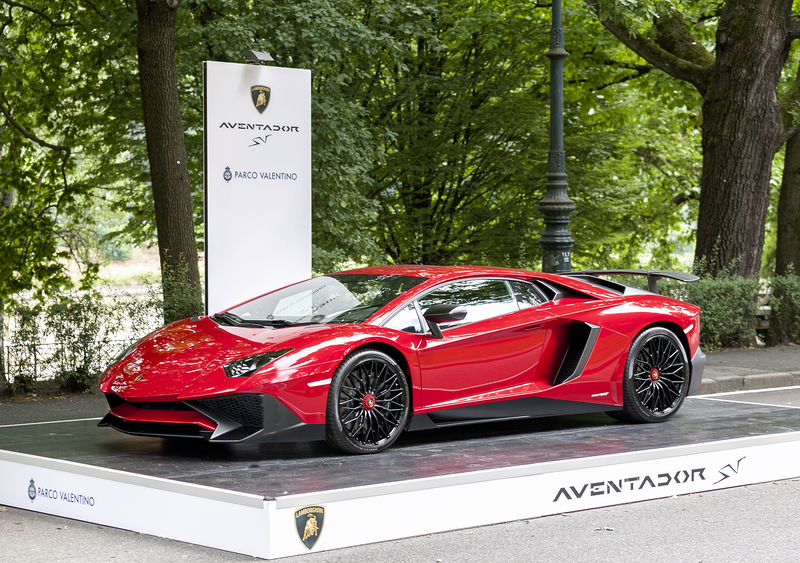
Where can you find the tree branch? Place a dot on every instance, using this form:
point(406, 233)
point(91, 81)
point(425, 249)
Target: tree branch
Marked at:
point(97, 10)
point(67, 152)
point(789, 106)
point(682, 198)
point(792, 30)
point(641, 71)
point(39, 13)
point(660, 55)
point(7, 114)
point(673, 35)
point(637, 71)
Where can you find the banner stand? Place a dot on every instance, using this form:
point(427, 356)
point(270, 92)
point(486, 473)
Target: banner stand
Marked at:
point(257, 179)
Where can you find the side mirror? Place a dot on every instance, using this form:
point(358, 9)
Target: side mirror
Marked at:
point(443, 313)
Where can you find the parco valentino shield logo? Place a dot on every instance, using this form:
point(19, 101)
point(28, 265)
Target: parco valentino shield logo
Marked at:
point(309, 522)
point(260, 96)
point(32, 490)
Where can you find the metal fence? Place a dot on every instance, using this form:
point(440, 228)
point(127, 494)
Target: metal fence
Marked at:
point(38, 361)
point(75, 331)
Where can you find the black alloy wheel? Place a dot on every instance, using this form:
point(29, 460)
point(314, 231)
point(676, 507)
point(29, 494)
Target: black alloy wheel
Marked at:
point(368, 403)
point(656, 378)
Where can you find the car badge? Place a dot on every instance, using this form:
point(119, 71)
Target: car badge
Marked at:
point(227, 174)
point(309, 522)
point(138, 379)
point(260, 96)
point(32, 490)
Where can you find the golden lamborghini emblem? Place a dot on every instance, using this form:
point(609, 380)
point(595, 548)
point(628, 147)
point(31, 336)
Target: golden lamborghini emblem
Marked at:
point(309, 522)
point(260, 96)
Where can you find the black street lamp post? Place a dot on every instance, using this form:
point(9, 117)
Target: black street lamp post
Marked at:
point(556, 206)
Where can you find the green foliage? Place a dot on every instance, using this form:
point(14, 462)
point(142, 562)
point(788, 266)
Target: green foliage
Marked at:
point(180, 296)
point(464, 164)
point(636, 11)
point(632, 138)
point(635, 189)
point(67, 103)
point(458, 178)
point(75, 321)
point(784, 302)
point(335, 39)
point(728, 304)
point(430, 138)
point(116, 249)
point(72, 337)
point(27, 319)
point(429, 130)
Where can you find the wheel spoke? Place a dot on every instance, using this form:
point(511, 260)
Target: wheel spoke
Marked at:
point(382, 426)
point(659, 375)
point(352, 414)
point(356, 429)
point(371, 402)
point(387, 414)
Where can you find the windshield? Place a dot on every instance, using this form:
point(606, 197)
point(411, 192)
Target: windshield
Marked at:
point(339, 298)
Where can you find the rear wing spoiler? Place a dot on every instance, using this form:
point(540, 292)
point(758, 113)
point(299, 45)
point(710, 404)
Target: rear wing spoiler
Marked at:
point(652, 276)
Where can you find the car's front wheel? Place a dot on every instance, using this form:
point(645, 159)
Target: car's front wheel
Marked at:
point(368, 403)
point(656, 378)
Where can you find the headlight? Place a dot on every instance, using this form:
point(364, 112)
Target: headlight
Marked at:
point(245, 367)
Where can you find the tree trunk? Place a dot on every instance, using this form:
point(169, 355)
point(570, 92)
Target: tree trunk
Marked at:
point(166, 150)
point(3, 377)
point(741, 128)
point(783, 316)
point(788, 247)
point(742, 119)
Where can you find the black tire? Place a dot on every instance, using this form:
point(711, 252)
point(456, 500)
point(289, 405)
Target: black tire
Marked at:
point(656, 378)
point(368, 403)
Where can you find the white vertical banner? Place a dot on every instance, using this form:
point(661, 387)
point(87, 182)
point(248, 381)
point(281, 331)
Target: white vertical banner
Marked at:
point(257, 180)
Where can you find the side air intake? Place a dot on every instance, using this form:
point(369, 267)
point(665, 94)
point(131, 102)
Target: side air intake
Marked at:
point(582, 339)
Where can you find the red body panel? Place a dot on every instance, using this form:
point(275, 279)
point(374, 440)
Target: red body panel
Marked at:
point(512, 356)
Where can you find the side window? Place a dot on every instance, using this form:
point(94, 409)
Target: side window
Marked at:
point(483, 299)
point(406, 320)
point(526, 295)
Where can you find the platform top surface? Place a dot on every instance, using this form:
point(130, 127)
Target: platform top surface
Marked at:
point(276, 470)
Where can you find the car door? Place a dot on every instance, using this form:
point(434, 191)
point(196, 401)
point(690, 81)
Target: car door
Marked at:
point(494, 352)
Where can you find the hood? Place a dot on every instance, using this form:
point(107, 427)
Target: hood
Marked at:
point(191, 354)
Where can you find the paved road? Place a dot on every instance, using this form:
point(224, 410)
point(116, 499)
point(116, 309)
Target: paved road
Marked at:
point(54, 407)
point(754, 368)
point(752, 524)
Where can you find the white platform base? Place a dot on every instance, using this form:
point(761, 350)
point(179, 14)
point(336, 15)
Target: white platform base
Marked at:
point(267, 528)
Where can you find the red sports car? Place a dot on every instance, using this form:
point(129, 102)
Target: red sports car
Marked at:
point(360, 356)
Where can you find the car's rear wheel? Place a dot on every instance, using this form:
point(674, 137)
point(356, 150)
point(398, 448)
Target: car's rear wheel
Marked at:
point(656, 378)
point(368, 403)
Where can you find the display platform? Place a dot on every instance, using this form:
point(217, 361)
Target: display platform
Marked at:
point(279, 500)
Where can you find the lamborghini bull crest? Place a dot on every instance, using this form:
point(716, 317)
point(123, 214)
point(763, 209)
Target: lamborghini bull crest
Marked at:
point(260, 97)
point(309, 522)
